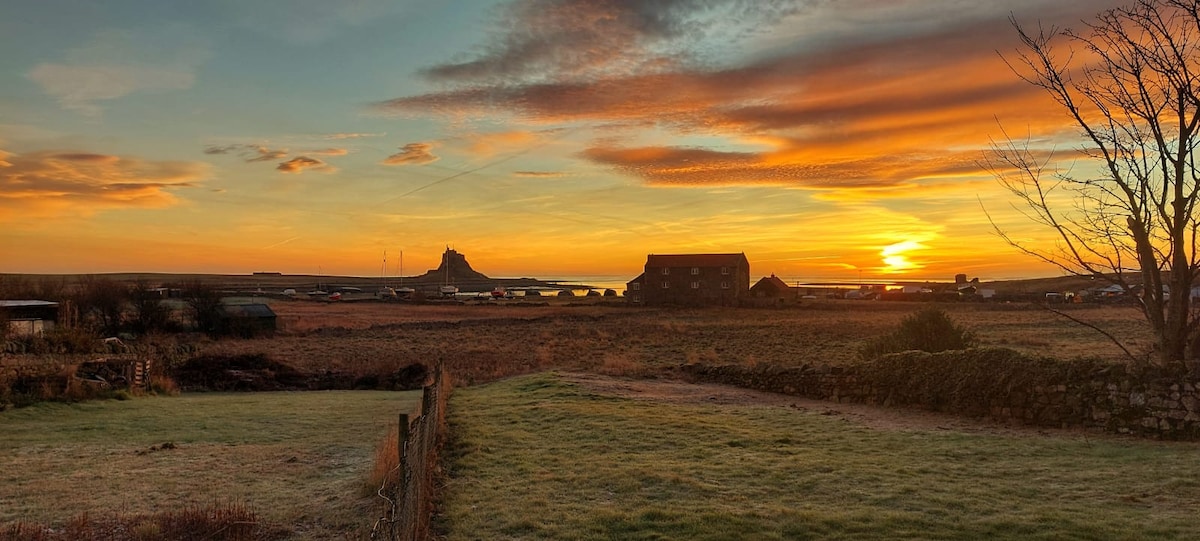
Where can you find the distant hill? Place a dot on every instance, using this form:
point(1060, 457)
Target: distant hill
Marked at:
point(1056, 283)
point(453, 270)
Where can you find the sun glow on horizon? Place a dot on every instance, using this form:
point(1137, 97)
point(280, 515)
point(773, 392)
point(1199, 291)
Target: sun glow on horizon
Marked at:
point(894, 258)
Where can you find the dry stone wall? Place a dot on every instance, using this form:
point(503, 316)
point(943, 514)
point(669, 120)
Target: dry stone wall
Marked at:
point(13, 367)
point(995, 383)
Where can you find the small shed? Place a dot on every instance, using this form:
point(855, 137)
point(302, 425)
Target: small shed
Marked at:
point(245, 320)
point(771, 287)
point(28, 317)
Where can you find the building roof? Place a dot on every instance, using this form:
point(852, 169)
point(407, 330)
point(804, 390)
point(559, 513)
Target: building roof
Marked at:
point(773, 281)
point(695, 260)
point(14, 304)
point(638, 279)
point(247, 310)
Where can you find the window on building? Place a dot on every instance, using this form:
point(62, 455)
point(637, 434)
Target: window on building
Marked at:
point(666, 270)
point(637, 298)
point(635, 286)
point(666, 284)
point(695, 285)
point(724, 270)
point(695, 271)
point(724, 285)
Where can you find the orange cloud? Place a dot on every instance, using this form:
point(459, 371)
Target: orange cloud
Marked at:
point(328, 152)
point(489, 143)
point(412, 154)
point(299, 164)
point(693, 166)
point(51, 183)
point(878, 112)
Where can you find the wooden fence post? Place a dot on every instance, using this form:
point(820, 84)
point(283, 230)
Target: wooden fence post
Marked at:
point(401, 439)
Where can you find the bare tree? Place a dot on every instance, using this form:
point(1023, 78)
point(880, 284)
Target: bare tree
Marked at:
point(103, 300)
point(149, 312)
point(203, 305)
point(1130, 81)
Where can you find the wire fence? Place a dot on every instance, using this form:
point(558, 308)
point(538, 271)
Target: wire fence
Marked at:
point(408, 494)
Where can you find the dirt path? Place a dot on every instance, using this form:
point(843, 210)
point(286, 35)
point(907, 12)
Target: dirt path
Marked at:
point(871, 416)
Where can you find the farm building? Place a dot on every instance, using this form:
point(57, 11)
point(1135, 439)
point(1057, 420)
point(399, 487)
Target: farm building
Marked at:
point(692, 279)
point(245, 319)
point(29, 318)
point(771, 287)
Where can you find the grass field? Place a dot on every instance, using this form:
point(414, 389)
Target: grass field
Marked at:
point(536, 457)
point(540, 459)
point(300, 460)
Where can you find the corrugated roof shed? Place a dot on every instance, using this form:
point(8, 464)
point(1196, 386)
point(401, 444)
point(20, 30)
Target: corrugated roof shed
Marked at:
point(16, 304)
point(247, 310)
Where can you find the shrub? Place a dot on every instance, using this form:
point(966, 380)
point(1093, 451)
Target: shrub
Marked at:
point(216, 522)
point(163, 385)
point(929, 330)
point(59, 340)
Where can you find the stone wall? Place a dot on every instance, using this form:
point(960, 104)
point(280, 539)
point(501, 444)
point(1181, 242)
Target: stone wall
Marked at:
point(13, 367)
point(995, 383)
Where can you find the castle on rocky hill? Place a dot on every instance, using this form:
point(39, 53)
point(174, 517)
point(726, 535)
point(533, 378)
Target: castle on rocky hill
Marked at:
point(453, 269)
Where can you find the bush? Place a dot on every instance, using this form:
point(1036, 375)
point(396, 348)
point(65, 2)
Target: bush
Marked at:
point(249, 372)
point(929, 330)
point(163, 385)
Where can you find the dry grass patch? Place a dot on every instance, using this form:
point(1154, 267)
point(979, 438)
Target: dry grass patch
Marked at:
point(484, 343)
point(297, 459)
point(305, 316)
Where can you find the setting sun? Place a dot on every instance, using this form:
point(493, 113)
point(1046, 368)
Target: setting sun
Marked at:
point(896, 261)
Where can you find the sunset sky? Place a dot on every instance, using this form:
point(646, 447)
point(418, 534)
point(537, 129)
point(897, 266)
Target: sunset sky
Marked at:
point(825, 139)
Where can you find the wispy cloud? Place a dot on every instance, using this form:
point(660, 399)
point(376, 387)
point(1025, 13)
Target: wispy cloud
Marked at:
point(265, 154)
point(310, 22)
point(340, 136)
point(115, 64)
point(539, 174)
point(50, 183)
point(248, 153)
point(412, 154)
point(589, 39)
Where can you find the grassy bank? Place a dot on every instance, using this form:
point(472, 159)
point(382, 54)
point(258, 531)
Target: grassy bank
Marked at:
point(536, 458)
point(298, 459)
